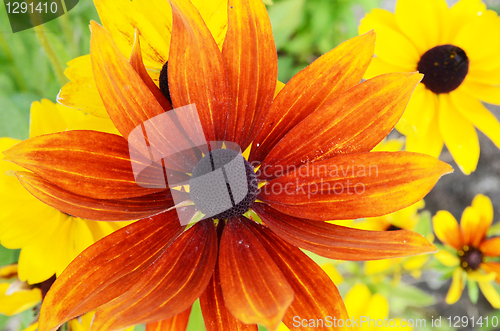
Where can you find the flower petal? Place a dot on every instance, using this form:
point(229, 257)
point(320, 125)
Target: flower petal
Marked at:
point(168, 286)
point(255, 291)
point(492, 267)
point(379, 67)
point(354, 122)
point(343, 243)
point(177, 323)
point(196, 70)
point(483, 92)
point(47, 117)
point(323, 80)
point(483, 204)
point(215, 313)
point(315, 294)
point(447, 230)
point(419, 113)
point(460, 14)
point(107, 269)
point(457, 286)
point(354, 185)
point(472, 230)
point(128, 101)
point(250, 56)
point(430, 144)
point(459, 135)
point(95, 209)
point(490, 293)
point(446, 258)
point(89, 163)
point(490, 247)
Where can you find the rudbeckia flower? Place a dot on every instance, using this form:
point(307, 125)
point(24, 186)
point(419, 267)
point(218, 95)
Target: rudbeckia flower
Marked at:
point(243, 271)
point(455, 50)
point(473, 256)
point(49, 239)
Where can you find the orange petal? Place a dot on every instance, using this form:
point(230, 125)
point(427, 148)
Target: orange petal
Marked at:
point(196, 70)
point(177, 323)
point(447, 230)
point(327, 77)
point(137, 63)
point(168, 286)
point(128, 101)
point(215, 313)
point(107, 269)
point(255, 291)
point(315, 294)
point(471, 224)
point(354, 185)
point(343, 243)
point(354, 122)
point(251, 61)
point(88, 163)
point(95, 209)
point(492, 267)
point(490, 247)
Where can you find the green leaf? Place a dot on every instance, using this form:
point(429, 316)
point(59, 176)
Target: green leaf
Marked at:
point(196, 322)
point(286, 16)
point(14, 117)
point(473, 291)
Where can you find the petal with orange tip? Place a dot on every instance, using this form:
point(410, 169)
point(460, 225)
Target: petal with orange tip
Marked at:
point(196, 70)
point(107, 269)
point(177, 323)
point(88, 163)
point(485, 208)
point(168, 286)
point(327, 77)
point(255, 290)
point(354, 185)
point(492, 267)
point(316, 296)
point(95, 209)
point(252, 69)
point(343, 243)
point(447, 230)
point(490, 247)
point(128, 101)
point(354, 122)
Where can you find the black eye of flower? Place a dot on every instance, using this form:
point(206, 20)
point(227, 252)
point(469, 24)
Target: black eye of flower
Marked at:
point(444, 68)
point(164, 82)
point(470, 258)
point(220, 176)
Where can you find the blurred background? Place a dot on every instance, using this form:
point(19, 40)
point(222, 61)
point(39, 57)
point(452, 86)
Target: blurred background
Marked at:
point(32, 66)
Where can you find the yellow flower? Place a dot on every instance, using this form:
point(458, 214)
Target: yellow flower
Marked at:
point(457, 50)
point(16, 297)
point(49, 239)
point(473, 255)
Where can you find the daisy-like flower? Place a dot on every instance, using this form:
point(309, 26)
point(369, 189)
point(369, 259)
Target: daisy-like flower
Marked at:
point(473, 256)
point(455, 50)
point(311, 135)
point(49, 239)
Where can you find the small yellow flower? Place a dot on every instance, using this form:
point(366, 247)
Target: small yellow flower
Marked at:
point(49, 239)
point(473, 255)
point(456, 50)
point(16, 296)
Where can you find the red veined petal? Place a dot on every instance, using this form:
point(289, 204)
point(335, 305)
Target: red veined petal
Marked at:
point(215, 313)
point(128, 101)
point(107, 269)
point(255, 291)
point(95, 209)
point(327, 77)
point(490, 247)
point(316, 296)
point(177, 323)
point(88, 163)
point(168, 286)
point(354, 122)
point(196, 70)
point(251, 61)
point(354, 185)
point(340, 242)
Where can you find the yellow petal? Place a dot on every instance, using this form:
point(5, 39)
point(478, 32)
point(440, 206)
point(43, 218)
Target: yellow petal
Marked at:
point(214, 14)
point(483, 76)
point(481, 277)
point(378, 307)
point(18, 301)
point(490, 293)
point(356, 300)
point(484, 92)
point(459, 135)
point(447, 258)
point(460, 14)
point(392, 46)
point(47, 117)
point(6, 143)
point(416, 262)
point(483, 204)
point(447, 230)
point(32, 327)
point(474, 111)
point(94, 123)
point(457, 286)
point(422, 21)
point(8, 271)
point(430, 144)
point(389, 145)
point(379, 266)
point(379, 67)
point(419, 113)
point(333, 273)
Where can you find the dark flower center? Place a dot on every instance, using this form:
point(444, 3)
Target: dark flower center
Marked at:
point(223, 184)
point(164, 82)
point(393, 228)
point(444, 68)
point(470, 258)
